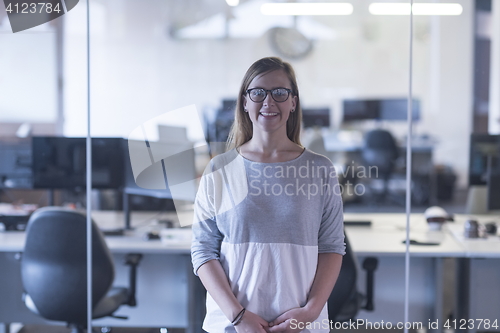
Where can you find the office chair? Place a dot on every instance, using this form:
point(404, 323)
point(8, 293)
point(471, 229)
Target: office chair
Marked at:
point(54, 269)
point(345, 301)
point(381, 151)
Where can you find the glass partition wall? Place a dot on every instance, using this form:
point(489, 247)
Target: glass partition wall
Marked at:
point(33, 101)
point(164, 79)
point(169, 73)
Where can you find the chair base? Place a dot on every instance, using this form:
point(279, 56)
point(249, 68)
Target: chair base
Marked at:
point(75, 328)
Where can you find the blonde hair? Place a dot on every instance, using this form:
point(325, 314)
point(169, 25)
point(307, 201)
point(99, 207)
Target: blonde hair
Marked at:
point(242, 130)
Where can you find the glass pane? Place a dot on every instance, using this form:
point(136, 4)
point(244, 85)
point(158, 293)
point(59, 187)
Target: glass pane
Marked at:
point(464, 66)
point(34, 174)
point(442, 86)
point(165, 78)
point(455, 61)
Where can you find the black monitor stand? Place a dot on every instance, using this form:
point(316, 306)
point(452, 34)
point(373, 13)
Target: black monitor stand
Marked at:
point(126, 210)
point(51, 199)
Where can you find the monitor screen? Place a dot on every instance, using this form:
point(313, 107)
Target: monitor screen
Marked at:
point(484, 151)
point(60, 162)
point(15, 163)
point(229, 105)
point(397, 109)
point(379, 109)
point(494, 191)
point(312, 117)
point(358, 109)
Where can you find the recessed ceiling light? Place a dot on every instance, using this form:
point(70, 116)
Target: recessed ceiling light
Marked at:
point(310, 8)
point(418, 8)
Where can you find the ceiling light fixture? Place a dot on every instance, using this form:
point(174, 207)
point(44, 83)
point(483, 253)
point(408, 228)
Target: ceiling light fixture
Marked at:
point(233, 3)
point(437, 9)
point(310, 8)
point(418, 9)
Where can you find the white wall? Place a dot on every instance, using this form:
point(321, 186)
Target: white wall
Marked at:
point(28, 80)
point(139, 72)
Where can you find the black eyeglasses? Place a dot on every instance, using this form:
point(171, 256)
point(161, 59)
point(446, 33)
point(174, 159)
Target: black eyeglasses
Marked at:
point(258, 95)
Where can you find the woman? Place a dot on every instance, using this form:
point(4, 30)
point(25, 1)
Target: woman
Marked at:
point(268, 233)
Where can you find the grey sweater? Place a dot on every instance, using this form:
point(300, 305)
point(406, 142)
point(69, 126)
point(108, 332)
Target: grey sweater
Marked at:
point(266, 223)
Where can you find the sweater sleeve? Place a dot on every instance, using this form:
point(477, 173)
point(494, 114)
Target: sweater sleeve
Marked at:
point(331, 231)
point(207, 238)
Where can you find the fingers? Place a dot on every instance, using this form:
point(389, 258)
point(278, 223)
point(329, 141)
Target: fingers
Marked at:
point(279, 327)
point(285, 316)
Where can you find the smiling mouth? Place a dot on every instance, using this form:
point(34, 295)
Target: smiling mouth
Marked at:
point(269, 114)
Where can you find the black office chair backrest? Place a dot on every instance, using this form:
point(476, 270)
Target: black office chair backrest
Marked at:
point(380, 150)
point(54, 264)
point(344, 301)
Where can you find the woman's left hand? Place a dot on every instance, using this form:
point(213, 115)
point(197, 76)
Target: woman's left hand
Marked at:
point(291, 320)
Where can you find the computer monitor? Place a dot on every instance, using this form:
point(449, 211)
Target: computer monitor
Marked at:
point(229, 105)
point(15, 164)
point(397, 109)
point(358, 109)
point(483, 157)
point(494, 191)
point(60, 163)
point(316, 117)
point(392, 109)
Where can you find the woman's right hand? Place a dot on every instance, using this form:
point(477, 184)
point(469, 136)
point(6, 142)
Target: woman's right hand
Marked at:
point(252, 323)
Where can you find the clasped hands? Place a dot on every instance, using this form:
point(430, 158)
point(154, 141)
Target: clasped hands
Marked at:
point(252, 323)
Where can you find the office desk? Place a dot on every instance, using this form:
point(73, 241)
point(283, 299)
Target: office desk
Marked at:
point(385, 236)
point(477, 271)
point(166, 282)
point(428, 288)
point(168, 293)
point(480, 268)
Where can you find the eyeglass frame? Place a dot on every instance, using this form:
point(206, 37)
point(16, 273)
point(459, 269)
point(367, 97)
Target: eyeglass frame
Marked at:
point(290, 91)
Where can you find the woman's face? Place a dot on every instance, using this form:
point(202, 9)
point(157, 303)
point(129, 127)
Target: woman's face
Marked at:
point(269, 115)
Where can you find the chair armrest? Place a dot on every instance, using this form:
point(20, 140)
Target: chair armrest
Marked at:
point(132, 260)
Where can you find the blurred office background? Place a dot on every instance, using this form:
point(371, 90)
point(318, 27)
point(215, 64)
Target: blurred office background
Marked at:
point(149, 58)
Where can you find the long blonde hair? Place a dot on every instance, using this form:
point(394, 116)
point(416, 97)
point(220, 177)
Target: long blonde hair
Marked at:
point(242, 130)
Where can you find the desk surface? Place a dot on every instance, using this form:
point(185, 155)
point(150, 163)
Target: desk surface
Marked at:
point(383, 238)
point(488, 247)
point(13, 241)
point(388, 231)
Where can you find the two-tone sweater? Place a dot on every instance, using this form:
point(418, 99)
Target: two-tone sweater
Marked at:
point(266, 223)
